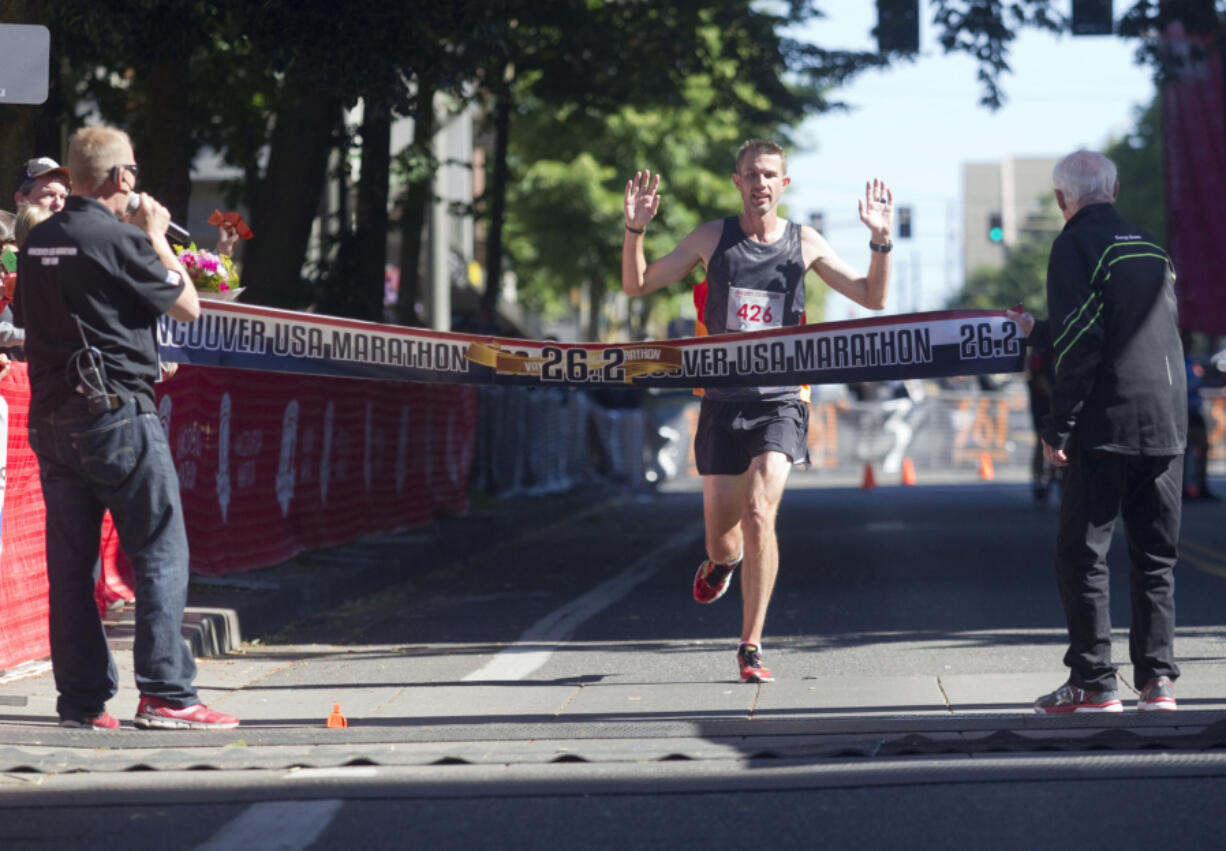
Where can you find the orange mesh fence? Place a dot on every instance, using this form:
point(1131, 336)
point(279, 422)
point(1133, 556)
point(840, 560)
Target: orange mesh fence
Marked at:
point(23, 573)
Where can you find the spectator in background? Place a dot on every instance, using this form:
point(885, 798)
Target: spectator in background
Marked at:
point(42, 182)
point(8, 281)
point(227, 239)
point(1040, 380)
point(11, 337)
point(27, 219)
point(1196, 461)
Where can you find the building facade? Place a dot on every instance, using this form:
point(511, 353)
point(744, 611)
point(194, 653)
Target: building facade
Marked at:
point(1000, 201)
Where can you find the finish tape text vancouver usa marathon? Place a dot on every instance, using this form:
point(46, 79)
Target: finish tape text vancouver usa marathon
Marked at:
point(916, 345)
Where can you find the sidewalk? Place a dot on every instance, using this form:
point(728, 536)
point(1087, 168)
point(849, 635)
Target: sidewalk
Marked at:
point(451, 732)
point(409, 710)
point(223, 612)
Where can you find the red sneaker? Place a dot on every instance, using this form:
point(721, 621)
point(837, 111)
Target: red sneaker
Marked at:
point(749, 657)
point(105, 721)
point(711, 581)
point(153, 713)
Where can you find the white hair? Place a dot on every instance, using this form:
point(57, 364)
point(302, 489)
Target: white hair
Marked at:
point(1085, 177)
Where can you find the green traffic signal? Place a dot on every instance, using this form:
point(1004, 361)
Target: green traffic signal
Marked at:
point(996, 227)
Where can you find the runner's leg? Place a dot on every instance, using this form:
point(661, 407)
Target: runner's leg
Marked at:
point(762, 493)
point(723, 497)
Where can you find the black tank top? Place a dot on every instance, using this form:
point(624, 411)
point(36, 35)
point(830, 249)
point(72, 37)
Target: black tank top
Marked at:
point(753, 286)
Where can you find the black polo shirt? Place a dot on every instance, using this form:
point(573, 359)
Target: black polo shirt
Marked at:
point(85, 262)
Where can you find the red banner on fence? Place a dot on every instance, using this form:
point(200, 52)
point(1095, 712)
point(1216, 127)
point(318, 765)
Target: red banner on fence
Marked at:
point(269, 465)
point(23, 571)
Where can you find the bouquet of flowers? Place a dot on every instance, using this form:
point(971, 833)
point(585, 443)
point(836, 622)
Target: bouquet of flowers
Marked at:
point(211, 273)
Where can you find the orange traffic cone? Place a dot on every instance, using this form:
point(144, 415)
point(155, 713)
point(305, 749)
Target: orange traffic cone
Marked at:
point(985, 467)
point(870, 481)
point(336, 719)
point(908, 472)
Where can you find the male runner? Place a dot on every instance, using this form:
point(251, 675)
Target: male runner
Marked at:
point(747, 438)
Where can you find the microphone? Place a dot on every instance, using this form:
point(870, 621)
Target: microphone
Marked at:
point(178, 234)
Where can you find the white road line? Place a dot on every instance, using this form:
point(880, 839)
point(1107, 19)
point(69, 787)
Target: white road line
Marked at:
point(533, 649)
point(285, 825)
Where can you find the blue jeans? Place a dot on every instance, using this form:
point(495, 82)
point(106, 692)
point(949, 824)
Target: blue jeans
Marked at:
point(119, 461)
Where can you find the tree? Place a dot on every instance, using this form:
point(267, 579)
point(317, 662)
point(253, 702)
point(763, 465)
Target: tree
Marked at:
point(574, 168)
point(266, 83)
point(677, 91)
point(1138, 156)
point(584, 63)
point(326, 62)
point(984, 28)
point(1023, 279)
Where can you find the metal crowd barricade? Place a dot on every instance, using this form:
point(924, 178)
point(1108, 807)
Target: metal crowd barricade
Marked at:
point(544, 440)
point(535, 440)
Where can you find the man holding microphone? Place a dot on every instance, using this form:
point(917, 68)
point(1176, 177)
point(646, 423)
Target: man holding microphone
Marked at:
point(93, 285)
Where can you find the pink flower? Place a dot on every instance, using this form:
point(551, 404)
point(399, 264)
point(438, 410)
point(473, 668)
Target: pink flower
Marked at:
point(209, 271)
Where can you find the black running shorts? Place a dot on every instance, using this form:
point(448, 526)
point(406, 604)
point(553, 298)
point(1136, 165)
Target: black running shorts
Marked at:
point(729, 434)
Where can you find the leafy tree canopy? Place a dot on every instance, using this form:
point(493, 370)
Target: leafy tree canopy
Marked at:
point(1138, 156)
point(598, 88)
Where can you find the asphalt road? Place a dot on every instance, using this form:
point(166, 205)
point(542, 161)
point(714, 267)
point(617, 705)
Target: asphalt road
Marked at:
point(561, 689)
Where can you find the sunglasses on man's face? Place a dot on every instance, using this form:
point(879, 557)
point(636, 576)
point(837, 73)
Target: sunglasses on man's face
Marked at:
point(129, 168)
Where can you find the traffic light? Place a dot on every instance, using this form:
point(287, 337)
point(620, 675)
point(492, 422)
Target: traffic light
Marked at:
point(897, 26)
point(996, 228)
point(904, 222)
point(1092, 17)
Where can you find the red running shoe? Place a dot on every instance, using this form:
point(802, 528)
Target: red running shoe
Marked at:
point(155, 714)
point(711, 581)
point(749, 657)
point(105, 721)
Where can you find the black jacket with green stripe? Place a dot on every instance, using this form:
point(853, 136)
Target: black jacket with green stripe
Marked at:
point(1113, 328)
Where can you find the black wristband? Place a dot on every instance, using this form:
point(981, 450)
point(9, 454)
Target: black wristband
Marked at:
point(635, 230)
point(882, 249)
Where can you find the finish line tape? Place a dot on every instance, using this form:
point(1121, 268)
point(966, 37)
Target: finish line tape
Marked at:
point(916, 345)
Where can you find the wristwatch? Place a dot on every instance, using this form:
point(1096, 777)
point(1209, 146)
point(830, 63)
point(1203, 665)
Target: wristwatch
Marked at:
point(882, 249)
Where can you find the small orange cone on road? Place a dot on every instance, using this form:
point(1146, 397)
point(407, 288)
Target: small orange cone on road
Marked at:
point(908, 472)
point(336, 719)
point(985, 467)
point(870, 481)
